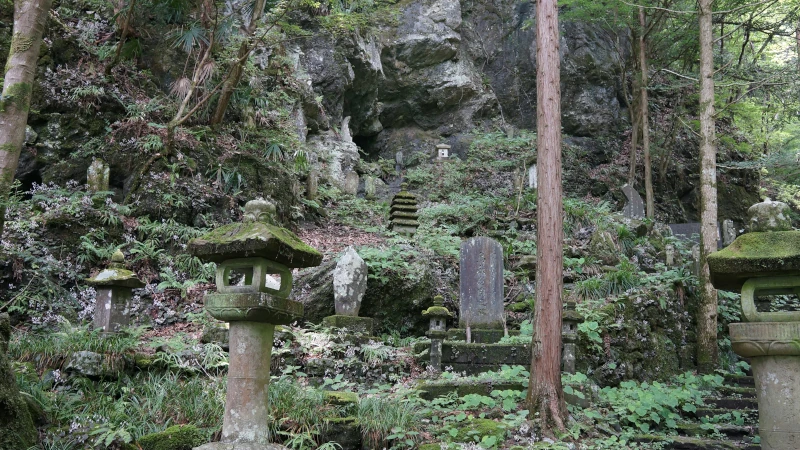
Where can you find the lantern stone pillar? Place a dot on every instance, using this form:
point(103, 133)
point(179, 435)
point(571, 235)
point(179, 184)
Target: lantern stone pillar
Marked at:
point(114, 287)
point(766, 261)
point(260, 256)
point(437, 330)
point(569, 336)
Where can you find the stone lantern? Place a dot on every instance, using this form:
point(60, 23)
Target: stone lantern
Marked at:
point(766, 261)
point(570, 320)
point(260, 255)
point(437, 330)
point(114, 287)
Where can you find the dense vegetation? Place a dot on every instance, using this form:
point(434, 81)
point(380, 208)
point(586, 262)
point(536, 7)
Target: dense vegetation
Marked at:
point(198, 107)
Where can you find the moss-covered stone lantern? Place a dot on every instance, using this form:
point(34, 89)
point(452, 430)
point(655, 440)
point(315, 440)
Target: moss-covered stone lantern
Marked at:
point(114, 286)
point(764, 262)
point(570, 319)
point(437, 331)
point(259, 256)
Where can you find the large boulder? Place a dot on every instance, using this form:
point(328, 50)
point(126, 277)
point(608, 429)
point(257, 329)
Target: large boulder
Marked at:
point(17, 430)
point(397, 291)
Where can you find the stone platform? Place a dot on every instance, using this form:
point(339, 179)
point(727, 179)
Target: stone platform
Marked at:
point(477, 357)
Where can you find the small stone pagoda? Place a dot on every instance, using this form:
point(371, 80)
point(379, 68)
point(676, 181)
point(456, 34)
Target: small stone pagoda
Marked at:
point(403, 214)
point(114, 286)
point(254, 278)
point(765, 262)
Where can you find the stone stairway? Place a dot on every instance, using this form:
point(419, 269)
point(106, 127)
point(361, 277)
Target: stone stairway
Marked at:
point(735, 408)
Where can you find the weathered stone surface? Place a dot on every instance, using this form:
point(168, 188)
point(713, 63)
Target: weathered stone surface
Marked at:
point(334, 157)
point(17, 430)
point(116, 275)
point(778, 389)
point(533, 183)
point(312, 185)
point(255, 239)
point(769, 216)
point(253, 307)
point(728, 232)
point(178, 437)
point(634, 205)
point(94, 365)
point(362, 325)
point(97, 176)
point(114, 287)
point(349, 283)
point(481, 285)
point(240, 446)
point(769, 286)
point(370, 189)
point(350, 185)
point(403, 212)
point(753, 255)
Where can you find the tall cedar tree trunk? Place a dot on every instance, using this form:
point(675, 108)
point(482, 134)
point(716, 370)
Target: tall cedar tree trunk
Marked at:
point(643, 118)
point(29, 20)
point(545, 394)
point(236, 72)
point(707, 310)
point(633, 107)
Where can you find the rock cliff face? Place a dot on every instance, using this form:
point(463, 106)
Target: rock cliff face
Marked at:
point(447, 66)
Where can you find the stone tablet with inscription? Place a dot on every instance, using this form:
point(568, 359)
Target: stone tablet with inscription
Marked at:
point(634, 207)
point(481, 284)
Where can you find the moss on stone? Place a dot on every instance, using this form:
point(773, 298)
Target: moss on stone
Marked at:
point(255, 239)
point(178, 437)
point(341, 398)
point(430, 447)
point(751, 255)
point(437, 311)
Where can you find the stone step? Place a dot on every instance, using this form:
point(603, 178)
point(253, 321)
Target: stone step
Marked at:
point(730, 431)
point(740, 380)
point(737, 391)
point(732, 403)
point(750, 415)
point(694, 443)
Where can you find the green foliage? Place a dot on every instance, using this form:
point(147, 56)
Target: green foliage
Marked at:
point(649, 406)
point(382, 417)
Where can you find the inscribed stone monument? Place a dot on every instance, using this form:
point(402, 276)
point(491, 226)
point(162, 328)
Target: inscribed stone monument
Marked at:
point(532, 182)
point(634, 206)
point(481, 291)
point(312, 185)
point(728, 232)
point(349, 283)
point(114, 287)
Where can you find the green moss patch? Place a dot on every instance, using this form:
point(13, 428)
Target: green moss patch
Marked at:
point(753, 255)
point(179, 437)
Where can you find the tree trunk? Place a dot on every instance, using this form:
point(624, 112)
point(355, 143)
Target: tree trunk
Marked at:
point(643, 119)
point(797, 42)
point(545, 394)
point(707, 310)
point(236, 71)
point(634, 107)
point(29, 20)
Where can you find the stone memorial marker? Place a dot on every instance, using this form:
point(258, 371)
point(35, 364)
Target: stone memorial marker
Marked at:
point(351, 181)
point(769, 216)
point(442, 151)
point(532, 182)
point(349, 283)
point(728, 232)
point(669, 252)
point(634, 206)
point(481, 290)
point(370, 188)
point(97, 176)
point(255, 249)
point(312, 185)
point(114, 287)
point(349, 286)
